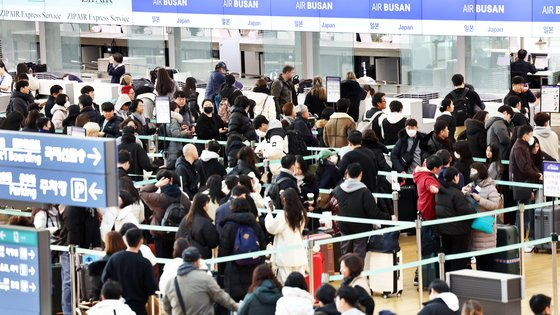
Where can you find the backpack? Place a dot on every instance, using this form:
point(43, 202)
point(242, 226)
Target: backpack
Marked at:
point(462, 107)
point(246, 241)
point(296, 145)
point(174, 213)
point(273, 191)
point(366, 123)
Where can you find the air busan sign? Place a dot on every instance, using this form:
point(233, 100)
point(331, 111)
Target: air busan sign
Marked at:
point(46, 168)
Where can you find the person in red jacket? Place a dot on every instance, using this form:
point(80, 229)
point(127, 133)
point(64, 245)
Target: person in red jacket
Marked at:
point(427, 184)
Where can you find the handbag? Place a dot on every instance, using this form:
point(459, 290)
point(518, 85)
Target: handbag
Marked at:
point(385, 243)
point(483, 224)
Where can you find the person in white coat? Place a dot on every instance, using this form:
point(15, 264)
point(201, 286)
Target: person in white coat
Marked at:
point(287, 228)
point(274, 143)
point(295, 300)
point(114, 218)
point(121, 106)
point(111, 301)
point(47, 217)
point(264, 104)
point(60, 110)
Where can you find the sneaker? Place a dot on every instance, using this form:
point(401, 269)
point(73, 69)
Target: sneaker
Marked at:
point(528, 249)
point(415, 281)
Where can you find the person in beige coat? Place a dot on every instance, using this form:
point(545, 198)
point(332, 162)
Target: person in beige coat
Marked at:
point(336, 130)
point(287, 229)
point(483, 191)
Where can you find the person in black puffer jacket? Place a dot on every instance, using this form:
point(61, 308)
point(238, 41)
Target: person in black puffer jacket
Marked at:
point(476, 134)
point(87, 108)
point(234, 143)
point(327, 171)
point(140, 159)
point(239, 122)
point(237, 278)
point(246, 161)
point(450, 202)
point(197, 227)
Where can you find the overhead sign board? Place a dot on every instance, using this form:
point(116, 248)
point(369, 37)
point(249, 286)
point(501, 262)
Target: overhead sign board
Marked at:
point(25, 281)
point(551, 181)
point(47, 168)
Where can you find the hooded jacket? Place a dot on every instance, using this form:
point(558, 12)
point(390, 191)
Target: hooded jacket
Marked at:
point(123, 99)
point(140, 159)
point(117, 307)
point(294, 301)
point(202, 235)
point(335, 132)
point(476, 136)
point(391, 126)
point(237, 278)
point(431, 143)
point(208, 165)
point(240, 123)
point(521, 166)
point(424, 178)
point(450, 202)
point(548, 140)
point(159, 199)
point(19, 102)
point(199, 292)
point(498, 133)
point(59, 113)
point(264, 104)
point(262, 300)
point(189, 176)
point(355, 200)
point(112, 127)
point(489, 200)
point(285, 236)
point(445, 303)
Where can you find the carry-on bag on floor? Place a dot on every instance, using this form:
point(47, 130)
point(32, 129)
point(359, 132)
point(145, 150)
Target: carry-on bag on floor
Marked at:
point(331, 252)
point(543, 225)
point(318, 271)
point(408, 210)
point(430, 272)
point(386, 283)
point(506, 262)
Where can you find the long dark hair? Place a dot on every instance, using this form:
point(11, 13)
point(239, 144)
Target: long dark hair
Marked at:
point(462, 147)
point(197, 207)
point(480, 116)
point(261, 273)
point(21, 68)
point(293, 209)
point(31, 120)
point(165, 84)
point(247, 155)
point(214, 187)
point(190, 86)
point(496, 158)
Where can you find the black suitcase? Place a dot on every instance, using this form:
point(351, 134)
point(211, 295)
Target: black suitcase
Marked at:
point(430, 272)
point(56, 293)
point(543, 225)
point(507, 262)
point(408, 210)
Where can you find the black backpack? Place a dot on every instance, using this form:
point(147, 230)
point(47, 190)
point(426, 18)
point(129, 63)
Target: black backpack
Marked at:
point(296, 145)
point(174, 213)
point(462, 107)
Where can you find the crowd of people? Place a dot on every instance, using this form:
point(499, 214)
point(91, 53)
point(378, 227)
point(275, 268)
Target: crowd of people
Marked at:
point(215, 194)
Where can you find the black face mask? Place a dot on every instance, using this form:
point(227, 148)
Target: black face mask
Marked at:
point(208, 110)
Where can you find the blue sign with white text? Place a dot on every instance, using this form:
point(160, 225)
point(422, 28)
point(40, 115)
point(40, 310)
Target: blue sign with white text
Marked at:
point(247, 7)
point(546, 11)
point(457, 10)
point(503, 10)
point(395, 9)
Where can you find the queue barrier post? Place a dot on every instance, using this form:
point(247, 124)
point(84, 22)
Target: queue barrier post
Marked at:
point(553, 246)
point(419, 251)
point(310, 244)
point(522, 237)
point(396, 203)
point(441, 262)
point(73, 277)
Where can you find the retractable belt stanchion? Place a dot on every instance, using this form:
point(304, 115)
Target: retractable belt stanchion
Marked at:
point(441, 262)
point(73, 278)
point(553, 246)
point(311, 273)
point(419, 250)
point(522, 237)
point(396, 203)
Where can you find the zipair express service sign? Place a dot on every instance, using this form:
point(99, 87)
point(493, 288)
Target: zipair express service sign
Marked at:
point(48, 168)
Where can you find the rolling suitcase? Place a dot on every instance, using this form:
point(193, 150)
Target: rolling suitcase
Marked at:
point(506, 262)
point(408, 210)
point(430, 272)
point(318, 271)
point(331, 252)
point(543, 225)
point(386, 283)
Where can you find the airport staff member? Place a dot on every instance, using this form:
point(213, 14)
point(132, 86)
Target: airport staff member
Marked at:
point(520, 67)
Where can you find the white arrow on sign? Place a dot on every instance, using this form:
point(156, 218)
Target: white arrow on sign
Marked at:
point(32, 287)
point(94, 192)
point(95, 156)
point(32, 270)
point(2, 235)
point(31, 254)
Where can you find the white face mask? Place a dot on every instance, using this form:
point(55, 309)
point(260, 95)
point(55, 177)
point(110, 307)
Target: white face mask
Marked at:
point(531, 141)
point(411, 132)
point(333, 159)
point(260, 133)
point(457, 155)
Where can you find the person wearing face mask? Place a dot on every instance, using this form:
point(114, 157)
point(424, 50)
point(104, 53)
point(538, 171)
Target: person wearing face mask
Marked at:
point(450, 202)
point(485, 196)
point(498, 129)
point(59, 110)
point(548, 139)
point(522, 169)
point(407, 153)
point(519, 88)
point(209, 125)
point(327, 171)
point(464, 159)
point(173, 129)
point(446, 108)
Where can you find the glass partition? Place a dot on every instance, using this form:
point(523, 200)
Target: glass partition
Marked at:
point(487, 63)
point(280, 48)
point(193, 52)
point(146, 48)
point(63, 48)
point(18, 43)
point(335, 52)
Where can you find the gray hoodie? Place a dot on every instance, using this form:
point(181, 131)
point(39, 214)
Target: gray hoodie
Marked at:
point(498, 133)
point(548, 140)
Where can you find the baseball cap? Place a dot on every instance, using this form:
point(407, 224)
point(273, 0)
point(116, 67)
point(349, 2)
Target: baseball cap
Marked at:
point(221, 64)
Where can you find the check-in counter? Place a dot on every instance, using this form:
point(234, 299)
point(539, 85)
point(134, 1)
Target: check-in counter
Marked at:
point(68, 86)
point(104, 92)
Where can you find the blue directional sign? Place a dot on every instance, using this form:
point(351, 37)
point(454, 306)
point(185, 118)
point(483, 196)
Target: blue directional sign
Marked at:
point(25, 282)
point(46, 168)
point(551, 179)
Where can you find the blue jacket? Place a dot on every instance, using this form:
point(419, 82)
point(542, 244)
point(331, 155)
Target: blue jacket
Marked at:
point(214, 84)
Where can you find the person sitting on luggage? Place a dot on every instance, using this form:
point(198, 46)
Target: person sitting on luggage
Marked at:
point(540, 304)
point(356, 200)
point(326, 294)
point(346, 299)
point(442, 302)
point(111, 301)
point(351, 267)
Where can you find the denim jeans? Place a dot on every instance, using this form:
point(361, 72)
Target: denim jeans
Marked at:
point(529, 220)
point(66, 284)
